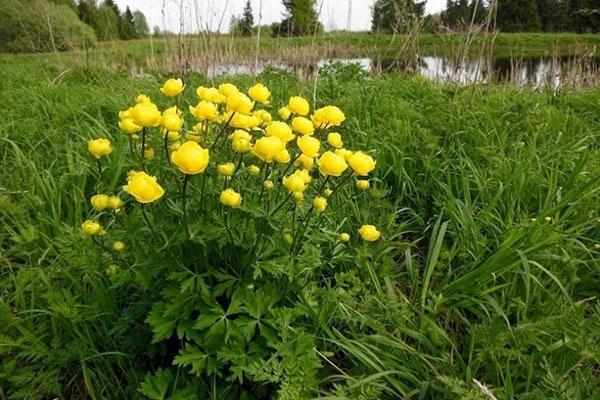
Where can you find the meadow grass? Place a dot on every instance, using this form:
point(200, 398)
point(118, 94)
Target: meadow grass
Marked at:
point(488, 282)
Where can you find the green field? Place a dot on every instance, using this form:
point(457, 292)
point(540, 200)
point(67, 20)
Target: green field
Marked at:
point(484, 284)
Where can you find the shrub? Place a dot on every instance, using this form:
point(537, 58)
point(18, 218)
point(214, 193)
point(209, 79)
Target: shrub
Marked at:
point(38, 26)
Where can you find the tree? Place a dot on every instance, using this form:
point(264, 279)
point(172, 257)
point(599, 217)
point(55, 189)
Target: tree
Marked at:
point(127, 30)
point(459, 13)
point(106, 23)
point(86, 10)
point(585, 15)
point(300, 18)
point(555, 15)
point(396, 15)
point(243, 26)
point(140, 24)
point(518, 16)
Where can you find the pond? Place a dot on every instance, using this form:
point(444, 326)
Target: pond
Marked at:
point(538, 72)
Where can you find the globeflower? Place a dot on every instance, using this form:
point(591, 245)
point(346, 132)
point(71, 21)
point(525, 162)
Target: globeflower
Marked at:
point(205, 111)
point(240, 103)
point(361, 163)
point(294, 183)
point(309, 146)
point(267, 148)
point(142, 98)
point(115, 202)
point(281, 130)
point(145, 114)
point(305, 175)
point(226, 169)
point(299, 105)
point(100, 202)
point(264, 116)
point(303, 125)
point(260, 93)
point(143, 187)
point(328, 116)
point(171, 122)
point(283, 157)
point(319, 204)
point(230, 198)
point(118, 246)
point(91, 228)
point(344, 237)
point(369, 233)
point(190, 158)
point(99, 147)
point(305, 161)
point(128, 126)
point(253, 170)
point(172, 87)
point(212, 95)
point(268, 184)
point(331, 164)
point(228, 88)
point(284, 113)
point(362, 184)
point(335, 140)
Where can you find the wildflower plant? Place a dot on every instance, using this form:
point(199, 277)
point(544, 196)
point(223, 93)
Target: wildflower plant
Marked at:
point(224, 218)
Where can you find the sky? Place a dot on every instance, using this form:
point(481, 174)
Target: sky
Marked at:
point(216, 14)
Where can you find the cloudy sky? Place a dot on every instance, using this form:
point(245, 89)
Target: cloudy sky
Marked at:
point(216, 14)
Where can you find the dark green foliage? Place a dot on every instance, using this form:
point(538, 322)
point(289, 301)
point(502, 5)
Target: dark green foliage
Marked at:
point(585, 15)
point(459, 14)
point(396, 15)
point(140, 24)
point(245, 25)
point(38, 25)
point(300, 19)
point(518, 16)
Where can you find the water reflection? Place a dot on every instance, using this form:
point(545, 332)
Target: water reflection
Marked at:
point(538, 72)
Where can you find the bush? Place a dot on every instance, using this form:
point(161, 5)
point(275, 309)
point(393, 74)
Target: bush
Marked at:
point(38, 26)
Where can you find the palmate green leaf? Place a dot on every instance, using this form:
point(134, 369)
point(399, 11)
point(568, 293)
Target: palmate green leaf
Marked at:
point(156, 386)
point(217, 334)
point(207, 320)
point(196, 359)
point(162, 327)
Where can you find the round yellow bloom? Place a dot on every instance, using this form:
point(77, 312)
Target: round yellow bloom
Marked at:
point(344, 237)
point(283, 157)
point(143, 187)
point(361, 163)
point(205, 111)
point(240, 134)
point(284, 113)
point(305, 161)
point(548, 219)
point(142, 98)
point(190, 137)
point(173, 110)
point(281, 130)
point(299, 105)
point(148, 154)
point(309, 146)
point(100, 202)
point(175, 146)
point(212, 95)
point(253, 169)
point(238, 120)
point(173, 136)
point(363, 184)
point(335, 140)
point(328, 116)
point(241, 145)
point(294, 183)
point(267, 148)
point(344, 153)
point(240, 103)
point(128, 126)
point(289, 239)
point(298, 196)
point(327, 192)
point(303, 125)
point(268, 184)
point(99, 147)
point(331, 164)
point(228, 88)
point(369, 233)
point(118, 246)
point(230, 198)
point(115, 202)
point(91, 228)
point(145, 114)
point(264, 116)
point(111, 270)
point(260, 93)
point(305, 175)
point(319, 204)
point(190, 158)
point(171, 122)
point(172, 87)
point(226, 169)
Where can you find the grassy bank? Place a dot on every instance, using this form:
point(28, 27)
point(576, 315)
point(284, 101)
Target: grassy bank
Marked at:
point(488, 275)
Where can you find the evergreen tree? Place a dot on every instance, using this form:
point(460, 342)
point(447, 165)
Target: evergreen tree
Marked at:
point(86, 11)
point(300, 18)
point(554, 15)
point(518, 16)
point(140, 24)
point(127, 30)
point(106, 23)
point(396, 15)
point(459, 13)
point(70, 3)
point(585, 15)
point(247, 21)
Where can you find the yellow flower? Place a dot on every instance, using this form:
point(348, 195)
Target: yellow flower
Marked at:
point(361, 163)
point(289, 239)
point(363, 184)
point(253, 169)
point(267, 148)
point(305, 161)
point(331, 164)
point(128, 126)
point(241, 145)
point(264, 116)
point(283, 157)
point(118, 246)
point(309, 146)
point(327, 192)
point(328, 116)
point(240, 103)
point(212, 95)
point(145, 114)
point(148, 154)
point(190, 137)
point(142, 98)
point(284, 113)
point(281, 130)
point(175, 146)
point(240, 134)
point(91, 228)
point(171, 121)
point(548, 219)
point(260, 93)
point(115, 202)
point(299, 106)
point(303, 125)
point(99, 147)
point(230, 198)
point(344, 237)
point(238, 120)
point(294, 183)
point(100, 202)
point(190, 158)
point(305, 175)
point(173, 110)
point(268, 184)
point(226, 169)
point(172, 87)
point(143, 187)
point(319, 204)
point(344, 153)
point(335, 140)
point(228, 88)
point(533, 219)
point(111, 270)
point(369, 233)
point(298, 196)
point(173, 136)
point(205, 111)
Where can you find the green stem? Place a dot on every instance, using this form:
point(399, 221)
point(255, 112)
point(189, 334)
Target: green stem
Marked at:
point(99, 168)
point(166, 147)
point(221, 132)
point(145, 215)
point(226, 221)
point(184, 206)
point(281, 204)
point(143, 150)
